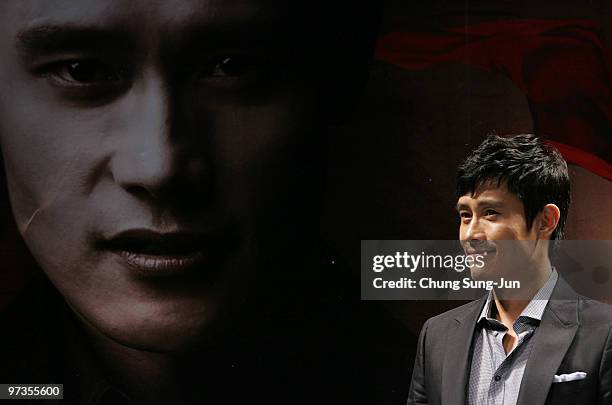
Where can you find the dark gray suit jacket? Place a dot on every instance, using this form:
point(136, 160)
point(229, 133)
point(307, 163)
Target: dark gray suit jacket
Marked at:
point(574, 335)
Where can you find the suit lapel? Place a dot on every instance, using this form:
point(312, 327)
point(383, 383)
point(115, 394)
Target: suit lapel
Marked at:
point(456, 360)
point(551, 341)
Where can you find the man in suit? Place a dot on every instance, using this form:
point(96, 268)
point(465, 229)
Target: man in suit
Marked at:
point(541, 343)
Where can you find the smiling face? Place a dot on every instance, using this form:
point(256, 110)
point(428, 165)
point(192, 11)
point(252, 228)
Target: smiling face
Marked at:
point(149, 148)
point(493, 225)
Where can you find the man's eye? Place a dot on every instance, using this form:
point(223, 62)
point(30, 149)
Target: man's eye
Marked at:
point(465, 215)
point(489, 213)
point(85, 72)
point(233, 66)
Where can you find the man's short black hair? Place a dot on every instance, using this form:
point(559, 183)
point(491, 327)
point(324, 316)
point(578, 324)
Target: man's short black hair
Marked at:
point(531, 169)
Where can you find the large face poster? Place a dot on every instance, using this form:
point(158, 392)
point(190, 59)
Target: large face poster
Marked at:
point(216, 202)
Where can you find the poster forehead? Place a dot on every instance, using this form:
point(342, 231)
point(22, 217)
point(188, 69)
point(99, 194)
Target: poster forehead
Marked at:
point(27, 13)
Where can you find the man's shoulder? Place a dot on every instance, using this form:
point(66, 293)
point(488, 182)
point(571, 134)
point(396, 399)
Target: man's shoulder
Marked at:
point(589, 312)
point(19, 321)
point(16, 341)
point(593, 313)
point(32, 338)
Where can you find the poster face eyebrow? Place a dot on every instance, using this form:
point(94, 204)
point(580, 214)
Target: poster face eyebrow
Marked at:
point(72, 37)
point(49, 38)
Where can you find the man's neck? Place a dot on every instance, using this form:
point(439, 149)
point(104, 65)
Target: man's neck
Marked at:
point(146, 377)
point(511, 303)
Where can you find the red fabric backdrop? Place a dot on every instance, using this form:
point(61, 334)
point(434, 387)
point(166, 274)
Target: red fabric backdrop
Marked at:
point(563, 67)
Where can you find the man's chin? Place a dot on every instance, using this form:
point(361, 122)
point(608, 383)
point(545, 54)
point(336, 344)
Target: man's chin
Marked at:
point(161, 330)
point(484, 273)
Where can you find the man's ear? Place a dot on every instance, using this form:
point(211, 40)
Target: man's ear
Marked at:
point(547, 220)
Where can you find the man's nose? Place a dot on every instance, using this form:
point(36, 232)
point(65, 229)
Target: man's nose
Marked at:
point(474, 231)
point(146, 160)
